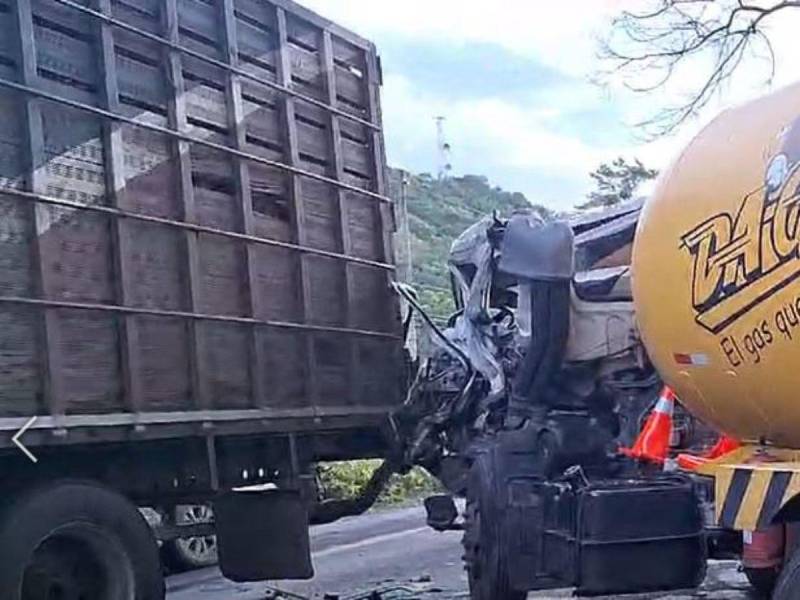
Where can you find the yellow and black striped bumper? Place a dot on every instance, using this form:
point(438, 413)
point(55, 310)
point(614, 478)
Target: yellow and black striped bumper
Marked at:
point(750, 491)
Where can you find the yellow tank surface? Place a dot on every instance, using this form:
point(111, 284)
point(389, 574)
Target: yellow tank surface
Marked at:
point(717, 272)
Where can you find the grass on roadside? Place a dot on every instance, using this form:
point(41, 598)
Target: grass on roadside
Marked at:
point(344, 479)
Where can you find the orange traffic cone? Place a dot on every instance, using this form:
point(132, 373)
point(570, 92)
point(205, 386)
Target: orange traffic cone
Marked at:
point(691, 462)
point(724, 445)
point(653, 441)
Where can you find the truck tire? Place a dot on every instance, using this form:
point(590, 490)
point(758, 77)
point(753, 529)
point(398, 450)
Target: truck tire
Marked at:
point(788, 585)
point(72, 539)
point(484, 549)
point(186, 554)
point(762, 580)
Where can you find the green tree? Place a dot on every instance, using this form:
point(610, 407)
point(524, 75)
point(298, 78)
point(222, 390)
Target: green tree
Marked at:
point(616, 182)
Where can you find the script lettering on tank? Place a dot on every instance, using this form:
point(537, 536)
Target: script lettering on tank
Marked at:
point(739, 260)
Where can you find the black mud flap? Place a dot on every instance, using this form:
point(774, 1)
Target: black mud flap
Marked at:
point(263, 535)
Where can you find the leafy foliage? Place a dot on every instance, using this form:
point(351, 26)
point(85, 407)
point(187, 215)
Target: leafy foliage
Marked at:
point(617, 182)
point(344, 479)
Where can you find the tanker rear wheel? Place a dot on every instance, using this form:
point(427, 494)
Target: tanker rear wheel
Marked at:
point(762, 580)
point(788, 586)
point(484, 548)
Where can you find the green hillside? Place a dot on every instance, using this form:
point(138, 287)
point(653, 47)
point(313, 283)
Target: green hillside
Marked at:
point(438, 212)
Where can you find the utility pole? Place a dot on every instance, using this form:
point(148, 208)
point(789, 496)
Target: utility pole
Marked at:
point(443, 147)
point(406, 265)
point(406, 228)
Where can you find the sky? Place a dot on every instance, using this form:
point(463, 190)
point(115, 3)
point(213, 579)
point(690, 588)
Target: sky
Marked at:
point(513, 78)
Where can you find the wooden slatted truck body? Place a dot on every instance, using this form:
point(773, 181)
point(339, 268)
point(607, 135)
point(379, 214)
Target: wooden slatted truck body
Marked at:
point(195, 257)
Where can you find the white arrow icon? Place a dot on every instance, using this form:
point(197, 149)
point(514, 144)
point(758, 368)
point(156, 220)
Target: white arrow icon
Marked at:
point(20, 445)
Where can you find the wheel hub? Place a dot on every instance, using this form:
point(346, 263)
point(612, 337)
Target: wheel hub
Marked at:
point(70, 566)
point(201, 548)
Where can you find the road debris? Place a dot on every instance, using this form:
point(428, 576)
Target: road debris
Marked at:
point(393, 592)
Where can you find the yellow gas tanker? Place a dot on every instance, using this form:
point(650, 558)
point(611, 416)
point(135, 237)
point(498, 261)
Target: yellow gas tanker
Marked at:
point(717, 272)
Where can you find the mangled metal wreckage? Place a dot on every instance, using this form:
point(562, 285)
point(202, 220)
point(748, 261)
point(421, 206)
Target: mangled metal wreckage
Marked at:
point(544, 331)
point(533, 385)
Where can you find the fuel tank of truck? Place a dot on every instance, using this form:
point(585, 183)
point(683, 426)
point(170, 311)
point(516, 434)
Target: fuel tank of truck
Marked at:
point(717, 272)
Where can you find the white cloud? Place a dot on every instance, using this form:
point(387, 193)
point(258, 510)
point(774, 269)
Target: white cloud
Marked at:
point(489, 136)
point(522, 137)
point(558, 34)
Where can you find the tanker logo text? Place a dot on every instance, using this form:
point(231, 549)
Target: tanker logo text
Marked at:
point(740, 260)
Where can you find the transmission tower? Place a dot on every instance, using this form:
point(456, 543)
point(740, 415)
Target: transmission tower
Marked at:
point(443, 147)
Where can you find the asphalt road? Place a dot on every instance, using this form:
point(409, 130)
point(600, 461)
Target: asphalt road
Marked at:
point(394, 548)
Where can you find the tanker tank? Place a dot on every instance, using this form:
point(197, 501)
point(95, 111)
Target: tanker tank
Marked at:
point(717, 272)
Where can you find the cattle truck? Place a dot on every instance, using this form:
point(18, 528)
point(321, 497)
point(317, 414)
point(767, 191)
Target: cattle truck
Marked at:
point(565, 332)
point(195, 257)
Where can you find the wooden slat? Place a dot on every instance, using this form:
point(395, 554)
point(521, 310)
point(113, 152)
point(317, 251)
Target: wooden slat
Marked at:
point(177, 121)
point(337, 171)
point(51, 364)
point(200, 18)
point(189, 51)
point(142, 15)
point(379, 155)
point(384, 212)
point(322, 23)
point(295, 197)
point(115, 186)
point(57, 12)
point(244, 199)
point(155, 312)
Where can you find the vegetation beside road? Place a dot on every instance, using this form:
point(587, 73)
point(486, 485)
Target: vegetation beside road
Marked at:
point(345, 479)
point(439, 210)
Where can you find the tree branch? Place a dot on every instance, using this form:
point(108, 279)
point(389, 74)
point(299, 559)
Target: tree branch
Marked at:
point(657, 42)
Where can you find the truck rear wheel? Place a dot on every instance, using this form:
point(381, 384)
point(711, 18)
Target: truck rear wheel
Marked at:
point(762, 580)
point(788, 586)
point(484, 548)
point(77, 541)
point(185, 554)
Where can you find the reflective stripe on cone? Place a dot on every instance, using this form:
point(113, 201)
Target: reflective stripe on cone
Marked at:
point(652, 445)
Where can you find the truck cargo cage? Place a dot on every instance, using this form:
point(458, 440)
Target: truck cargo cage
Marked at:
point(195, 231)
